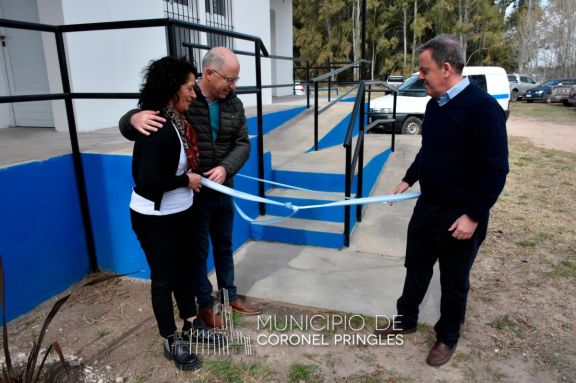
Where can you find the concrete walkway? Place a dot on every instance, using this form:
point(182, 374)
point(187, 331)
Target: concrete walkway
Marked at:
point(365, 278)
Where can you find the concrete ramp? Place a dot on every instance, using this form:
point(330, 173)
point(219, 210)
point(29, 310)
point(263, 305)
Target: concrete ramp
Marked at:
point(365, 278)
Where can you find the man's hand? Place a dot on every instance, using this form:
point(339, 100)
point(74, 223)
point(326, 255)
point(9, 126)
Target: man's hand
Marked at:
point(217, 174)
point(147, 121)
point(401, 188)
point(463, 227)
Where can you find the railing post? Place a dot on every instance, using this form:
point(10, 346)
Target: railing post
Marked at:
point(393, 143)
point(369, 98)
point(76, 154)
point(347, 193)
point(360, 141)
point(171, 32)
point(315, 115)
point(329, 87)
point(307, 84)
point(261, 190)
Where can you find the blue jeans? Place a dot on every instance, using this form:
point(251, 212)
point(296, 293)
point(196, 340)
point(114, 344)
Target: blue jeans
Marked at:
point(213, 218)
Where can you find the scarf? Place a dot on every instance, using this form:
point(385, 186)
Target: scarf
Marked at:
point(187, 135)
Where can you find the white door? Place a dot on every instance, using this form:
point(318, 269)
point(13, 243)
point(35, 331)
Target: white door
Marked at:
point(6, 112)
point(24, 68)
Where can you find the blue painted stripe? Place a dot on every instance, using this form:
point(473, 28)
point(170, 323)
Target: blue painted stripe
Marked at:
point(500, 96)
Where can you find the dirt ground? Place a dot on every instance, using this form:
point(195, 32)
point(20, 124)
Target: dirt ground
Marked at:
point(520, 318)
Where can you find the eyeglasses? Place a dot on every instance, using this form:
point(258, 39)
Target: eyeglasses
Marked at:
point(229, 80)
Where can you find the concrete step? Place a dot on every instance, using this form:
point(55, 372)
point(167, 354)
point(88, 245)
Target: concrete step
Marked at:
point(304, 198)
point(299, 232)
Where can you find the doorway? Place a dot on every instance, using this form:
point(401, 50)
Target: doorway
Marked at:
point(23, 68)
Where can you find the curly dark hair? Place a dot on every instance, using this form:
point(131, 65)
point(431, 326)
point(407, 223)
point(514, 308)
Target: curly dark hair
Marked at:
point(162, 80)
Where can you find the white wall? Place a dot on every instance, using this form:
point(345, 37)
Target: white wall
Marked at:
point(103, 61)
point(112, 61)
point(252, 17)
point(282, 44)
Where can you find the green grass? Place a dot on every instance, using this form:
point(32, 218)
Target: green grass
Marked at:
point(502, 323)
point(226, 370)
point(532, 242)
point(139, 377)
point(565, 269)
point(544, 112)
point(308, 373)
point(103, 332)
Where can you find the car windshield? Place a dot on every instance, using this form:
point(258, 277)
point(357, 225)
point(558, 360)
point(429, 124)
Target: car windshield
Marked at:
point(412, 87)
point(564, 81)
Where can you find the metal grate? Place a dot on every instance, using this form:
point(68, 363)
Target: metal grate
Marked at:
point(185, 10)
point(219, 15)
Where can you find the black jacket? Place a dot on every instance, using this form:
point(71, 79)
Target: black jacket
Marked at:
point(232, 146)
point(154, 163)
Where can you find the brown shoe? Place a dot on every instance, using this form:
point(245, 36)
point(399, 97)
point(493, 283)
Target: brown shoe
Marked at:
point(394, 331)
point(439, 354)
point(241, 306)
point(211, 318)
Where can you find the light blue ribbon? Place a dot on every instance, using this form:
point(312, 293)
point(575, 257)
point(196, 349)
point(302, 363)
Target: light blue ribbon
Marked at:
point(390, 198)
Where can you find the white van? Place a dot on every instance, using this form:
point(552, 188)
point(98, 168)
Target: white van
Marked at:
point(412, 99)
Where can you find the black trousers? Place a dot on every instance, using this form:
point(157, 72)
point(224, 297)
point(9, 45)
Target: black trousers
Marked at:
point(167, 246)
point(428, 241)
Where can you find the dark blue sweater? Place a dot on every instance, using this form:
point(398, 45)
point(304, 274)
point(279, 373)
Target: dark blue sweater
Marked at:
point(463, 161)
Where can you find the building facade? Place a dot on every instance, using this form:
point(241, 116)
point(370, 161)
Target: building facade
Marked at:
point(112, 61)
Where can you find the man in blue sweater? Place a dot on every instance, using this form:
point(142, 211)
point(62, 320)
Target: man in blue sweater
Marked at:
point(461, 167)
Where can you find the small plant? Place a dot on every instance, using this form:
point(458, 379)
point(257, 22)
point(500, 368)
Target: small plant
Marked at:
point(502, 323)
point(103, 332)
point(304, 372)
point(565, 269)
point(33, 373)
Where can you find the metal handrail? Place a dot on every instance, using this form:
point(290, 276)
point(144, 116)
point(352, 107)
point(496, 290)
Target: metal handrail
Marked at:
point(169, 24)
point(336, 71)
point(354, 160)
point(394, 103)
point(318, 79)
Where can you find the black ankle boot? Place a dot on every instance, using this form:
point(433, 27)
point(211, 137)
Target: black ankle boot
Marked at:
point(178, 350)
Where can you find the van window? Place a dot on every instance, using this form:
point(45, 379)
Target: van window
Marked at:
point(480, 80)
point(412, 87)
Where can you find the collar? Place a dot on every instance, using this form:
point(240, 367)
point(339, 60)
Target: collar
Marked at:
point(454, 91)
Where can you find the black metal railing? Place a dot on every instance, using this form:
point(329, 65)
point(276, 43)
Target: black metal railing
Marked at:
point(386, 89)
point(354, 162)
point(322, 78)
point(170, 26)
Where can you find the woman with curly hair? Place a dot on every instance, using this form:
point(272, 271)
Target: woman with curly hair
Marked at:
point(164, 168)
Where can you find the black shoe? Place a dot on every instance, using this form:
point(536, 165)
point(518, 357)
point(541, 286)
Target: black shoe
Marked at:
point(198, 332)
point(178, 350)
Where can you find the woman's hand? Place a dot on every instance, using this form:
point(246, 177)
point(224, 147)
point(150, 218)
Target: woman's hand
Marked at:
point(194, 181)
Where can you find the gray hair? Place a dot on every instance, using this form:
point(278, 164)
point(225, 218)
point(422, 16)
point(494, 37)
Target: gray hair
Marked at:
point(446, 49)
point(213, 60)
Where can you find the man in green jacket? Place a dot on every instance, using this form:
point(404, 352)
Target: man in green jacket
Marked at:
point(218, 118)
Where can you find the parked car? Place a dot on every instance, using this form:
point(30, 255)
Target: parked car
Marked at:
point(395, 81)
point(543, 92)
point(412, 99)
point(572, 97)
point(299, 89)
point(560, 93)
point(519, 84)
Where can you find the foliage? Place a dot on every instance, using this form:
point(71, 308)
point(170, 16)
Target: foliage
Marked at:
point(513, 34)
